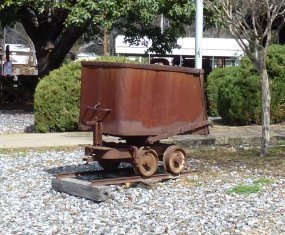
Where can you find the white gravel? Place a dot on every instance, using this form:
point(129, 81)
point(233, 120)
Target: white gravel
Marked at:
point(198, 204)
point(16, 121)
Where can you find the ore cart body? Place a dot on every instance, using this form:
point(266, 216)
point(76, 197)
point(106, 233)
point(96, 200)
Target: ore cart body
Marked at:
point(141, 104)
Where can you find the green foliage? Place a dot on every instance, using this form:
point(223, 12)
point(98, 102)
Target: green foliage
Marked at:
point(234, 93)
point(251, 188)
point(245, 189)
point(143, 23)
point(69, 21)
point(276, 61)
point(263, 181)
point(239, 98)
point(56, 102)
point(278, 100)
point(276, 72)
point(138, 24)
point(119, 59)
point(214, 80)
point(136, 18)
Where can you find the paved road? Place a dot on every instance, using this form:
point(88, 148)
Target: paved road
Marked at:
point(219, 134)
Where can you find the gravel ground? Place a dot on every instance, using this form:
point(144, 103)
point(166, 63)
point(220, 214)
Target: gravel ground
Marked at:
point(198, 204)
point(16, 121)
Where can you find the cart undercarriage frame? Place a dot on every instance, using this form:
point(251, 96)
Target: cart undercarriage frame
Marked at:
point(144, 156)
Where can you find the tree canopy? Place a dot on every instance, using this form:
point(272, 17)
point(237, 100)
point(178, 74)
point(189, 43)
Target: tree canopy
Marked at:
point(54, 26)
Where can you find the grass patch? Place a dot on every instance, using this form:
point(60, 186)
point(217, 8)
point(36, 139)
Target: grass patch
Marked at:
point(263, 180)
point(245, 189)
point(39, 149)
point(229, 158)
point(251, 188)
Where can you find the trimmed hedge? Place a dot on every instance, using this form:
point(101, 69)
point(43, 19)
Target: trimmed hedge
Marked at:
point(56, 104)
point(239, 99)
point(214, 81)
point(234, 93)
point(276, 72)
point(57, 97)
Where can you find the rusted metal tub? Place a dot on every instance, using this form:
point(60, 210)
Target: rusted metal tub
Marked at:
point(145, 100)
point(141, 103)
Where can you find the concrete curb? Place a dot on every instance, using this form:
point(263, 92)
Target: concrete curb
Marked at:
point(220, 135)
point(225, 140)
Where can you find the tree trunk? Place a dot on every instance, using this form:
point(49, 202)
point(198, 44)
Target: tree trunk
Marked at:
point(50, 58)
point(51, 37)
point(265, 112)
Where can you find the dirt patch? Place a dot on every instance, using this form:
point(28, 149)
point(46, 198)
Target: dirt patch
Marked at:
point(239, 159)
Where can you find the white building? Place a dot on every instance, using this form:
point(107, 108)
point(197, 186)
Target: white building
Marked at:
point(219, 51)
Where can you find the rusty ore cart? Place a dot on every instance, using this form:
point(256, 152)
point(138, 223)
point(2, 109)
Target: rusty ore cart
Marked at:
point(141, 104)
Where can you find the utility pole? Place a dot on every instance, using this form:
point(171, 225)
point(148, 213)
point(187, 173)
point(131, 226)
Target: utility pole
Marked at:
point(162, 23)
point(198, 34)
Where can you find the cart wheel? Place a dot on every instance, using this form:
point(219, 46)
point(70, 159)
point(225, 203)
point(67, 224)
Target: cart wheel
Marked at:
point(147, 162)
point(174, 159)
point(109, 165)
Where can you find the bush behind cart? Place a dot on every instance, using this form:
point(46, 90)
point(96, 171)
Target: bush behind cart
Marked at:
point(234, 93)
point(56, 102)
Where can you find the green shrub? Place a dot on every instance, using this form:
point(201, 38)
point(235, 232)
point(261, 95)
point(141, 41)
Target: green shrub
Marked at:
point(276, 61)
point(214, 80)
point(276, 72)
point(56, 102)
point(263, 181)
point(234, 93)
point(278, 100)
point(119, 59)
point(239, 98)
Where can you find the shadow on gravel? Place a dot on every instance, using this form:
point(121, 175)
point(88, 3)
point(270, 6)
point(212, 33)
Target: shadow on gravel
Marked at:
point(17, 106)
point(30, 129)
point(80, 168)
point(72, 169)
